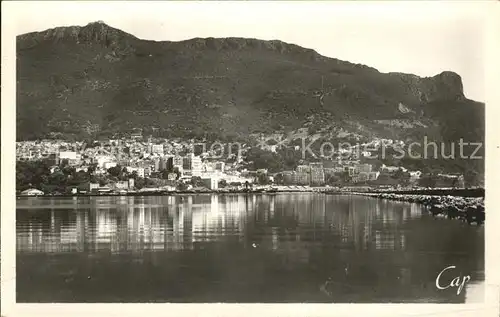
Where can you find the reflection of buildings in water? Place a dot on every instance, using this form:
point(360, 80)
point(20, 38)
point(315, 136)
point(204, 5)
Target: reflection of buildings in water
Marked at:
point(105, 229)
point(378, 209)
point(52, 221)
point(170, 200)
point(353, 223)
point(402, 241)
point(157, 239)
point(406, 212)
point(290, 248)
point(31, 239)
point(131, 226)
point(367, 229)
point(415, 211)
point(187, 226)
point(125, 229)
point(390, 240)
point(122, 233)
point(68, 234)
point(177, 234)
point(223, 216)
point(359, 225)
point(214, 205)
point(49, 241)
point(274, 235)
point(178, 228)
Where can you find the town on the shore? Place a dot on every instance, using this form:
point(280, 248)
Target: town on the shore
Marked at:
point(141, 165)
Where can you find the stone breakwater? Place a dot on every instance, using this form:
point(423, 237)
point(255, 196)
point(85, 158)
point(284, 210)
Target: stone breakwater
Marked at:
point(466, 209)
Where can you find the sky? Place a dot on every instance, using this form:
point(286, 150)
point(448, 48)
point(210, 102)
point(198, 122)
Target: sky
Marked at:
point(422, 38)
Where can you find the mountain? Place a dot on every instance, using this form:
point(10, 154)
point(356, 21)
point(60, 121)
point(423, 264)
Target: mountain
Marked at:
point(97, 80)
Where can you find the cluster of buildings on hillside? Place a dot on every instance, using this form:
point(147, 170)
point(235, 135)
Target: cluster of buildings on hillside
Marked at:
point(173, 160)
point(316, 174)
point(167, 161)
point(354, 172)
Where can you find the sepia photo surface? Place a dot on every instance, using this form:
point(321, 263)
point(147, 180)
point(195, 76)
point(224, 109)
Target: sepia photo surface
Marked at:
point(248, 152)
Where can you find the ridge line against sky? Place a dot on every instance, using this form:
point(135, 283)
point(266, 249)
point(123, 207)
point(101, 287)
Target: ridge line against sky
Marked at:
point(421, 38)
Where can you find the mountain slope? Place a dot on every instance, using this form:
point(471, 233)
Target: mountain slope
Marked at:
point(97, 80)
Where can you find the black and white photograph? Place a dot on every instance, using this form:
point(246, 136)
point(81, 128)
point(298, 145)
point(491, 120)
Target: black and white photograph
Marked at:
point(248, 152)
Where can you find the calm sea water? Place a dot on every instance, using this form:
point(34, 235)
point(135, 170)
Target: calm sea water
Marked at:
point(241, 248)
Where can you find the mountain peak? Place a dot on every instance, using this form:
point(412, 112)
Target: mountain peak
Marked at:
point(93, 33)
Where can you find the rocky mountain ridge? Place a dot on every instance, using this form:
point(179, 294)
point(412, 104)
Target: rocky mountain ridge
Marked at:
point(96, 80)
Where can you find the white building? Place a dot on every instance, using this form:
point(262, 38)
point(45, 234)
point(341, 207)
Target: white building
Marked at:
point(390, 169)
point(157, 148)
point(196, 165)
point(67, 155)
point(138, 170)
point(32, 192)
point(109, 165)
point(414, 175)
point(101, 160)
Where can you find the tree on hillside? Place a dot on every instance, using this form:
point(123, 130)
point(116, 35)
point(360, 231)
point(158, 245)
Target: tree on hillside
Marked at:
point(196, 181)
point(263, 179)
point(181, 186)
point(279, 179)
point(115, 171)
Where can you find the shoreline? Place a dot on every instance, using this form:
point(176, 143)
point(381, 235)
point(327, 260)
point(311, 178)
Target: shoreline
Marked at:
point(465, 209)
point(457, 192)
point(173, 193)
point(466, 205)
point(461, 192)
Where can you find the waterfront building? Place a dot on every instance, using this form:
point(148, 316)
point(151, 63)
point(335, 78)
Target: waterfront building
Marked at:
point(211, 182)
point(415, 175)
point(303, 175)
point(317, 174)
point(360, 177)
point(350, 170)
point(373, 176)
point(32, 192)
point(329, 171)
point(450, 180)
point(389, 169)
point(178, 162)
point(121, 185)
point(363, 168)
